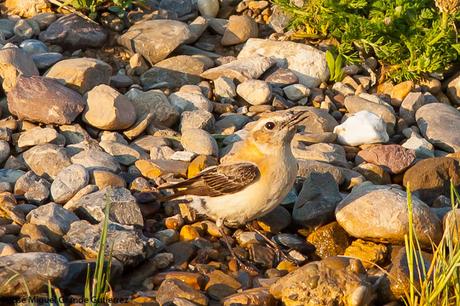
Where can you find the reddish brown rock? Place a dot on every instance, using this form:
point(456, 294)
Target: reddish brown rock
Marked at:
point(430, 178)
point(39, 99)
point(393, 158)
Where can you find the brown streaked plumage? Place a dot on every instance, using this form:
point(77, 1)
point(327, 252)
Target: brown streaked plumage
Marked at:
point(216, 181)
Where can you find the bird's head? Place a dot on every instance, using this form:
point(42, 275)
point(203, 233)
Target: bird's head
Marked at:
point(276, 131)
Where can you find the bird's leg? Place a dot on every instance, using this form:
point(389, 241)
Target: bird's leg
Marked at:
point(275, 247)
point(248, 268)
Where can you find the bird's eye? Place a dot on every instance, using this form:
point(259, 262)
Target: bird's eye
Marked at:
point(269, 125)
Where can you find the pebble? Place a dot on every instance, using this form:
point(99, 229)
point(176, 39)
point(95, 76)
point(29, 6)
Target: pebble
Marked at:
point(199, 142)
point(296, 92)
point(393, 158)
point(208, 8)
point(361, 128)
point(68, 182)
point(308, 63)
point(155, 39)
point(317, 200)
point(366, 213)
point(119, 112)
point(74, 32)
point(426, 177)
point(239, 30)
point(330, 280)
point(437, 123)
point(81, 74)
point(254, 92)
point(56, 104)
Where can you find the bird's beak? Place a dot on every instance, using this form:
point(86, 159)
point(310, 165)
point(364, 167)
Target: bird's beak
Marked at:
point(294, 118)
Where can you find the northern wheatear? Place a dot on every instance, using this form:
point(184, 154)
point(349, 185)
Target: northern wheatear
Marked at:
point(260, 173)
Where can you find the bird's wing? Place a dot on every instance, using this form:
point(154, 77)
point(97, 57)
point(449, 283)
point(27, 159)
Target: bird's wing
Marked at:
point(217, 181)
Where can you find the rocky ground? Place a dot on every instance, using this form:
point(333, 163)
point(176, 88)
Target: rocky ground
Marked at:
point(93, 113)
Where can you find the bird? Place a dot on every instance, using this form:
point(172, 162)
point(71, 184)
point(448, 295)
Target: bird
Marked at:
point(253, 181)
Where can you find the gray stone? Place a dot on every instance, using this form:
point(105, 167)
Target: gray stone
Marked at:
point(74, 32)
point(316, 203)
point(33, 46)
point(35, 189)
point(157, 103)
point(46, 60)
point(224, 88)
point(155, 39)
point(379, 213)
point(190, 101)
point(68, 182)
point(127, 245)
point(197, 119)
point(324, 152)
point(10, 175)
point(36, 269)
point(241, 69)
point(46, 160)
point(308, 63)
point(296, 92)
point(123, 154)
point(438, 124)
point(123, 206)
point(93, 159)
point(54, 220)
point(180, 7)
point(174, 72)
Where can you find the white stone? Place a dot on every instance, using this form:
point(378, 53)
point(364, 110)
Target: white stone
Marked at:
point(308, 63)
point(362, 128)
point(183, 156)
point(199, 142)
point(254, 92)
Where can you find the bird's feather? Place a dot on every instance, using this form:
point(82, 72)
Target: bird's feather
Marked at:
point(217, 181)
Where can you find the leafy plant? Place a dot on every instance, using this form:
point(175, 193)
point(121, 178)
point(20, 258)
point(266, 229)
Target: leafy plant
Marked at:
point(440, 284)
point(91, 6)
point(410, 38)
point(97, 287)
point(335, 65)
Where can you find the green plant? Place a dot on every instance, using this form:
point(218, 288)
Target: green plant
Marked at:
point(411, 39)
point(97, 287)
point(91, 6)
point(335, 65)
point(439, 284)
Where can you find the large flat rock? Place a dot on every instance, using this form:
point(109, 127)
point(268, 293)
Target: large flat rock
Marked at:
point(308, 63)
point(155, 39)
